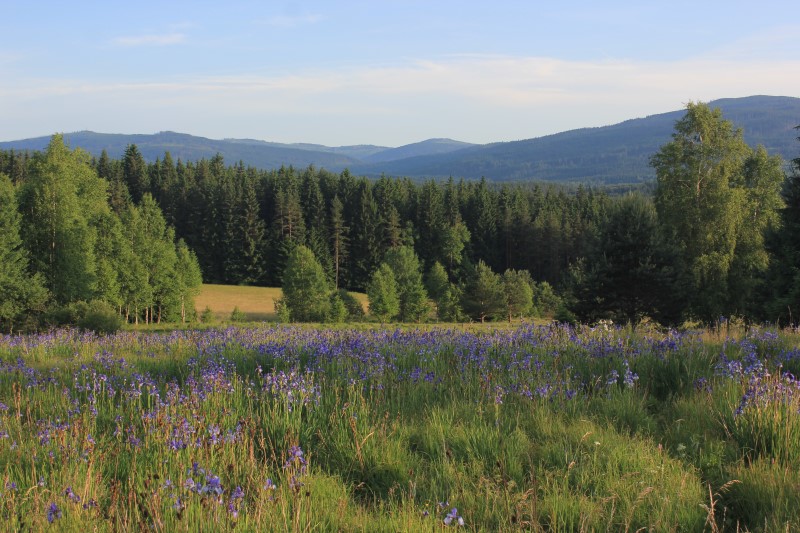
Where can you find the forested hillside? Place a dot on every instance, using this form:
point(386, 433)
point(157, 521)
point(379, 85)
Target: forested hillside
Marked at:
point(612, 154)
point(93, 229)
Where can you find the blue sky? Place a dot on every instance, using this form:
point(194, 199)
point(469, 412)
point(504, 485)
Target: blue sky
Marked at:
point(381, 72)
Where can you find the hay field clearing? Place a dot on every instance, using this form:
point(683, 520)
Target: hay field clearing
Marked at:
point(257, 303)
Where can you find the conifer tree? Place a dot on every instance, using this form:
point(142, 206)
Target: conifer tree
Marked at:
point(444, 294)
point(306, 293)
point(20, 292)
point(134, 173)
point(411, 290)
point(384, 302)
point(517, 293)
point(483, 296)
point(365, 238)
point(339, 240)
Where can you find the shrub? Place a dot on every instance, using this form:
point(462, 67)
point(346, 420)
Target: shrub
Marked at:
point(355, 311)
point(207, 316)
point(237, 315)
point(100, 317)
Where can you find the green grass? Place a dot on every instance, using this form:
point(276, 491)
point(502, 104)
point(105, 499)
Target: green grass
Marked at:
point(517, 429)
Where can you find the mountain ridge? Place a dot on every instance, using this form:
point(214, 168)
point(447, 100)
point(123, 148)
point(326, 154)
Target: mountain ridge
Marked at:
point(617, 153)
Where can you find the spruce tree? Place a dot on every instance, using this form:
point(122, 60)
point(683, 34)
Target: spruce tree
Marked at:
point(21, 292)
point(411, 290)
point(384, 302)
point(134, 173)
point(483, 296)
point(784, 245)
point(339, 240)
point(306, 294)
point(517, 293)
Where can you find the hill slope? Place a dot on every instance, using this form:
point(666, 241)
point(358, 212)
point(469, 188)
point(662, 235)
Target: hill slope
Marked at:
point(611, 154)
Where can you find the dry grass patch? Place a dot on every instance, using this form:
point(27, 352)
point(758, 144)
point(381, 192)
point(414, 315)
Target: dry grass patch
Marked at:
point(257, 303)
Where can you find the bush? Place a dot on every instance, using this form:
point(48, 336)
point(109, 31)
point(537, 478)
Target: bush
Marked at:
point(237, 315)
point(66, 315)
point(337, 312)
point(282, 310)
point(100, 317)
point(207, 316)
point(354, 309)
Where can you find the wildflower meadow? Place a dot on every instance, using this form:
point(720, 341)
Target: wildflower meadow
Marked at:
point(278, 428)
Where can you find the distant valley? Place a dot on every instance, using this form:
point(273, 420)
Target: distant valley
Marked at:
point(611, 154)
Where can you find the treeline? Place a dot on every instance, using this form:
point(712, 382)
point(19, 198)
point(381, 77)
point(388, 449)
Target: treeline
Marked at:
point(69, 255)
point(717, 238)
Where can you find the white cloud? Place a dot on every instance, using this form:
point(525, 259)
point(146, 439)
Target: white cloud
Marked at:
point(472, 98)
point(151, 39)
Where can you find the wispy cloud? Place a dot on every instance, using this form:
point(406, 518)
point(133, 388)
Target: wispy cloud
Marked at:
point(151, 39)
point(473, 98)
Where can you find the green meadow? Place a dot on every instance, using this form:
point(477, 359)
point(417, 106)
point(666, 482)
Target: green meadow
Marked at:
point(277, 428)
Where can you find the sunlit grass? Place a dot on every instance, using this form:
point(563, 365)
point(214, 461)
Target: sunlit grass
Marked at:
point(523, 428)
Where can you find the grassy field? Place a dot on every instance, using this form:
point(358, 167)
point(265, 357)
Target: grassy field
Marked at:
point(257, 303)
point(279, 428)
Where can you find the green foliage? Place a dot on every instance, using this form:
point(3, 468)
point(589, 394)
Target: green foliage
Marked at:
point(783, 286)
point(21, 293)
point(337, 312)
point(715, 197)
point(445, 295)
point(100, 317)
point(237, 315)
point(306, 293)
point(410, 288)
point(134, 173)
point(483, 296)
point(382, 292)
point(545, 300)
point(57, 202)
point(207, 316)
point(632, 272)
point(355, 311)
point(517, 293)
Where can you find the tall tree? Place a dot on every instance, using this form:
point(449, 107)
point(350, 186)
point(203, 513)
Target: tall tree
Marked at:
point(365, 238)
point(58, 200)
point(382, 291)
point(20, 291)
point(702, 200)
point(134, 173)
point(339, 240)
point(632, 272)
point(784, 245)
point(517, 293)
point(188, 280)
point(483, 295)
point(759, 186)
point(249, 267)
point(411, 290)
point(306, 293)
point(483, 225)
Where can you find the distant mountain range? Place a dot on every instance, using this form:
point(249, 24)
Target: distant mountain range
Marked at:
point(611, 154)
